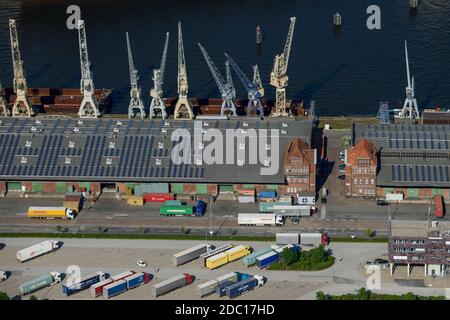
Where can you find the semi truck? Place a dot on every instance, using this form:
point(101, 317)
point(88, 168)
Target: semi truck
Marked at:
point(225, 257)
point(70, 287)
point(37, 250)
point(173, 283)
point(287, 238)
point(97, 288)
point(236, 289)
point(439, 209)
point(260, 219)
point(183, 210)
point(221, 288)
point(114, 289)
point(266, 259)
point(111, 287)
point(211, 285)
point(190, 254)
point(38, 283)
point(213, 252)
point(251, 258)
point(313, 239)
point(51, 213)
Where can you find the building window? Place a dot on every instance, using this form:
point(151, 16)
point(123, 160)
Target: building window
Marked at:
point(398, 241)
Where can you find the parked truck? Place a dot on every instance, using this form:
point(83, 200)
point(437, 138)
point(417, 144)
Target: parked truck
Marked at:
point(38, 283)
point(70, 287)
point(313, 239)
point(287, 238)
point(97, 288)
point(251, 258)
point(236, 289)
point(266, 259)
point(37, 250)
point(206, 288)
point(183, 210)
point(230, 255)
point(111, 287)
point(173, 283)
point(51, 213)
point(190, 254)
point(439, 209)
point(260, 219)
point(215, 251)
point(114, 289)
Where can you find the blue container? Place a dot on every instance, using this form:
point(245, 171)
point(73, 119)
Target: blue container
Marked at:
point(267, 194)
point(238, 288)
point(266, 259)
point(84, 284)
point(200, 208)
point(115, 288)
point(135, 281)
point(221, 288)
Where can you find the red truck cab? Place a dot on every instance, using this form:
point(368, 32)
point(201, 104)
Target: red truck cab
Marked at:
point(439, 209)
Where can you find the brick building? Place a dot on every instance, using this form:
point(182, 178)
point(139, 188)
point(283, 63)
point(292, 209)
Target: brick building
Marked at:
point(361, 170)
point(300, 163)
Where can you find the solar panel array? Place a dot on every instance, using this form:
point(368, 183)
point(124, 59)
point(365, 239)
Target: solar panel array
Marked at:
point(106, 149)
point(420, 173)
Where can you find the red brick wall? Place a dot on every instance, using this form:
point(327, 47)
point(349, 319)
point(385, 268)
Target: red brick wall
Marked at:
point(190, 188)
point(28, 186)
point(2, 186)
point(122, 187)
point(95, 187)
point(213, 189)
point(49, 187)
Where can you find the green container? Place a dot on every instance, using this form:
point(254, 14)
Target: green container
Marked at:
point(36, 284)
point(435, 192)
point(61, 187)
point(272, 187)
point(177, 188)
point(248, 186)
point(14, 186)
point(226, 189)
point(176, 210)
point(202, 188)
point(251, 258)
point(36, 186)
point(388, 190)
point(172, 203)
point(413, 193)
point(267, 207)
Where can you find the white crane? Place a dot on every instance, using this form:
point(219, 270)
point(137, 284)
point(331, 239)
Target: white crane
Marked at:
point(22, 107)
point(136, 106)
point(278, 76)
point(157, 104)
point(254, 88)
point(410, 109)
point(226, 87)
point(89, 105)
point(183, 108)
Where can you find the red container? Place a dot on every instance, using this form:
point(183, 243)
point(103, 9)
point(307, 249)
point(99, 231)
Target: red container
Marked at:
point(439, 206)
point(158, 197)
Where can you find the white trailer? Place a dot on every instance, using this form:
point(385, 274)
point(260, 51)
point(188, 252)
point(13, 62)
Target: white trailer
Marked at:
point(260, 219)
point(190, 254)
point(287, 238)
point(292, 210)
point(206, 288)
point(310, 239)
point(37, 250)
point(246, 199)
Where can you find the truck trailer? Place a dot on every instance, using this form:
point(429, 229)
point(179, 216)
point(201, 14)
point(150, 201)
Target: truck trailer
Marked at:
point(251, 258)
point(215, 251)
point(236, 289)
point(260, 219)
point(266, 259)
point(37, 250)
point(313, 239)
point(287, 238)
point(439, 209)
point(38, 283)
point(211, 286)
point(51, 213)
point(228, 256)
point(190, 254)
point(97, 288)
point(114, 289)
point(173, 283)
point(83, 284)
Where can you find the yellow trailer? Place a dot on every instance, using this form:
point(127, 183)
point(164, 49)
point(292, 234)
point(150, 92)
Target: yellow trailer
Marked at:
point(217, 260)
point(135, 201)
point(50, 213)
point(237, 252)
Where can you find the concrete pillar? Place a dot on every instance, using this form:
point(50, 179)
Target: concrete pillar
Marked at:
point(425, 270)
point(391, 267)
point(408, 271)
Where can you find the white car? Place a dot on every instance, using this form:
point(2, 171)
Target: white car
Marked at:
point(141, 264)
point(3, 275)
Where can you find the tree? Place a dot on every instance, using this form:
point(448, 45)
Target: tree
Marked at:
point(369, 232)
point(33, 298)
point(288, 256)
point(322, 296)
point(4, 296)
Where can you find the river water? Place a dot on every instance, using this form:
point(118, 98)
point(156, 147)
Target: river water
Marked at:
point(347, 72)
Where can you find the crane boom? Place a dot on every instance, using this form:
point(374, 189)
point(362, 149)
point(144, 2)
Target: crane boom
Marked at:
point(22, 107)
point(89, 105)
point(136, 105)
point(157, 103)
point(410, 109)
point(226, 87)
point(183, 108)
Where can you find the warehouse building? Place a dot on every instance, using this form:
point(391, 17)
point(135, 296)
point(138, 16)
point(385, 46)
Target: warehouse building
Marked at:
point(53, 155)
point(420, 243)
point(412, 159)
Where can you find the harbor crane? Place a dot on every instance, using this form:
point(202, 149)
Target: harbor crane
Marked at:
point(254, 88)
point(3, 104)
point(226, 88)
point(278, 76)
point(136, 106)
point(89, 105)
point(183, 108)
point(157, 104)
point(410, 109)
point(22, 107)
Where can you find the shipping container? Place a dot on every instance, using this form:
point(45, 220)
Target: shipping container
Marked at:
point(135, 201)
point(267, 207)
point(137, 279)
point(206, 288)
point(311, 239)
point(246, 199)
point(183, 210)
point(217, 260)
point(439, 209)
point(266, 259)
point(238, 288)
point(40, 282)
point(97, 288)
point(287, 238)
point(158, 197)
point(237, 252)
point(190, 254)
point(122, 275)
point(37, 250)
point(171, 284)
point(215, 251)
point(231, 276)
point(267, 194)
point(200, 208)
point(221, 288)
point(114, 289)
point(51, 213)
point(251, 258)
point(84, 283)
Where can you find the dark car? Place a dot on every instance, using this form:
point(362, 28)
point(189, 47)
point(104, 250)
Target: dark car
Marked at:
point(380, 261)
point(341, 177)
point(2, 245)
point(342, 166)
point(382, 203)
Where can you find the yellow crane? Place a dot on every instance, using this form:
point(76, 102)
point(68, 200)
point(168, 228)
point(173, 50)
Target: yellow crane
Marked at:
point(278, 76)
